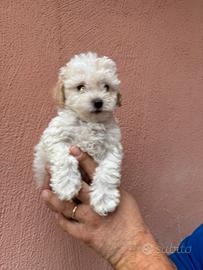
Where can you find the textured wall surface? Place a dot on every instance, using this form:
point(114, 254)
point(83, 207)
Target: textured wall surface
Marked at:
point(158, 46)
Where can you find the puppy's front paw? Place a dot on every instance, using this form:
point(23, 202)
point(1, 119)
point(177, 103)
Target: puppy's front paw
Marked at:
point(102, 202)
point(66, 190)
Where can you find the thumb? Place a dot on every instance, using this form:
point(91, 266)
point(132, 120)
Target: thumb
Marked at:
point(87, 164)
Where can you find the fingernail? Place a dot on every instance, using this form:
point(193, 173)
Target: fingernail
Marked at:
point(75, 151)
point(45, 195)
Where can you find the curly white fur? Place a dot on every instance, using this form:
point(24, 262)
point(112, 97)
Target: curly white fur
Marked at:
point(94, 131)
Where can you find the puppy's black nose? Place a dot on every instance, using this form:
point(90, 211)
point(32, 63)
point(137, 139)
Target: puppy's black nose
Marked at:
point(98, 103)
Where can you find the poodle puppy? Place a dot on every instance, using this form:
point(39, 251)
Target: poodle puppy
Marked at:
point(87, 94)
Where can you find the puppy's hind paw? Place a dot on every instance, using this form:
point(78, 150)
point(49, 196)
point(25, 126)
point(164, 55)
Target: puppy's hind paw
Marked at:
point(104, 203)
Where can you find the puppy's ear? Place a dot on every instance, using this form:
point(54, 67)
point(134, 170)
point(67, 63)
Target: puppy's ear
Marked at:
point(119, 103)
point(59, 94)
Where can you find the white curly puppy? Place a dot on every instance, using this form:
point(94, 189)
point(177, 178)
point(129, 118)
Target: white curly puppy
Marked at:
point(87, 93)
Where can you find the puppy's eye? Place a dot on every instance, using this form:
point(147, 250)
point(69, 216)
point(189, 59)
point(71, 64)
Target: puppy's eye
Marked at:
point(80, 87)
point(106, 87)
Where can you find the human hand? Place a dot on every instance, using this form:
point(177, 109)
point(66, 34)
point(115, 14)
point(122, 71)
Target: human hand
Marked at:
point(118, 237)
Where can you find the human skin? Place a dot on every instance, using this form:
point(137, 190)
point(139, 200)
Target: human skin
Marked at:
point(122, 237)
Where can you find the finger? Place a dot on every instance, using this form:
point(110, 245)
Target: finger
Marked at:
point(85, 213)
point(83, 194)
point(64, 207)
point(85, 161)
point(84, 176)
point(46, 184)
point(52, 201)
point(75, 229)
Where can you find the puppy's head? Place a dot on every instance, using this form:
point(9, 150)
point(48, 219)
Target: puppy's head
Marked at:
point(89, 86)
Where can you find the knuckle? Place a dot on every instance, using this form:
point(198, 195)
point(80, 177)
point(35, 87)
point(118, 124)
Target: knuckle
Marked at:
point(83, 157)
point(83, 191)
point(85, 212)
point(48, 205)
point(60, 207)
point(66, 210)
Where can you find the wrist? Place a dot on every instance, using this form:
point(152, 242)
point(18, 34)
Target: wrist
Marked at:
point(142, 253)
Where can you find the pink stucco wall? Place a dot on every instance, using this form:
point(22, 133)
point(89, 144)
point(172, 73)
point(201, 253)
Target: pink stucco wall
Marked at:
point(158, 46)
